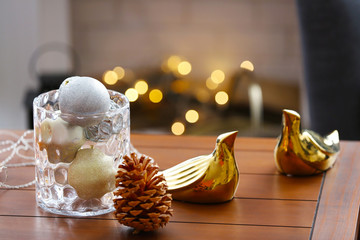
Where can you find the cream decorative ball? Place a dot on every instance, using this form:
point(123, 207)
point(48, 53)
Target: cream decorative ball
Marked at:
point(60, 139)
point(82, 97)
point(92, 173)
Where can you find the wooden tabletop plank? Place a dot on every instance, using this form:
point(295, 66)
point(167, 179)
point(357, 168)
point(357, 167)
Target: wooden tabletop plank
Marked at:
point(238, 211)
point(250, 185)
point(70, 228)
point(279, 187)
point(198, 142)
point(249, 211)
point(338, 214)
point(248, 161)
point(266, 203)
point(20, 175)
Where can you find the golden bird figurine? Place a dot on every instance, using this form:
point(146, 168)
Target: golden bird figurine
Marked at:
point(300, 153)
point(206, 179)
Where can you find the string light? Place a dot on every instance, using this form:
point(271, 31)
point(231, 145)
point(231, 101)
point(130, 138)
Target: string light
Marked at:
point(192, 116)
point(247, 65)
point(120, 72)
point(218, 76)
point(184, 68)
point(132, 94)
point(141, 87)
point(173, 62)
point(221, 98)
point(210, 84)
point(179, 67)
point(155, 96)
point(110, 77)
point(178, 128)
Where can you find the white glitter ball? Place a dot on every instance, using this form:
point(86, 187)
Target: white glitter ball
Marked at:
point(83, 96)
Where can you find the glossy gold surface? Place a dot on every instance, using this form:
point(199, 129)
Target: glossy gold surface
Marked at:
point(304, 152)
point(206, 179)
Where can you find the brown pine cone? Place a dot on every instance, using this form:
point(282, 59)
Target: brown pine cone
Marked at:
point(140, 199)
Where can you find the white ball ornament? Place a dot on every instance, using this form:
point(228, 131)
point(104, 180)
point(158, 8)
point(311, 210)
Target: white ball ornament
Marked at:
point(92, 173)
point(82, 99)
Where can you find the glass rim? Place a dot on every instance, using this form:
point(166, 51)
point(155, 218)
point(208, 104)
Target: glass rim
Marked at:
point(36, 104)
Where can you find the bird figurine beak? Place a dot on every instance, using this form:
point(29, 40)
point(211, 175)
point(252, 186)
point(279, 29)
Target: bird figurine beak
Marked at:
point(210, 178)
point(301, 153)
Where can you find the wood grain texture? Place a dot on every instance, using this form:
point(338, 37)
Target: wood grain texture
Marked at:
point(250, 185)
point(338, 213)
point(200, 142)
point(237, 211)
point(267, 205)
point(279, 187)
point(70, 228)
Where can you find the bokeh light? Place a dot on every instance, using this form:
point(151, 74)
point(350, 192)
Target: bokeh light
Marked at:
point(173, 62)
point(110, 77)
point(221, 98)
point(155, 96)
point(184, 68)
point(178, 128)
point(218, 76)
point(192, 116)
point(120, 72)
point(247, 65)
point(141, 86)
point(210, 84)
point(132, 94)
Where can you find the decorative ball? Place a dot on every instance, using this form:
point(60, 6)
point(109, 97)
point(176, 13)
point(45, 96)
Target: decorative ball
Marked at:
point(83, 96)
point(60, 139)
point(92, 173)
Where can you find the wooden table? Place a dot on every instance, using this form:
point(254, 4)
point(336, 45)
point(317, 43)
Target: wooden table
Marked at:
point(266, 205)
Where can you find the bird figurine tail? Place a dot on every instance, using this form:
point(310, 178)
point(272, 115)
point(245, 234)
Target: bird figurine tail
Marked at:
point(211, 178)
point(300, 153)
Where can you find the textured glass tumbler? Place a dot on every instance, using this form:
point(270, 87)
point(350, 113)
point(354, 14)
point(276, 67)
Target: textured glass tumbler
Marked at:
point(77, 156)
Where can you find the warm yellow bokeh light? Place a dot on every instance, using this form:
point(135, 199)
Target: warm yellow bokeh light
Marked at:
point(218, 76)
point(247, 65)
point(173, 62)
point(221, 98)
point(210, 84)
point(178, 128)
point(141, 86)
point(110, 77)
point(120, 72)
point(132, 94)
point(202, 95)
point(184, 68)
point(155, 96)
point(192, 116)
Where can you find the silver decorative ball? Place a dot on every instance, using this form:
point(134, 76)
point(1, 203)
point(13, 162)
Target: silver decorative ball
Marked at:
point(80, 98)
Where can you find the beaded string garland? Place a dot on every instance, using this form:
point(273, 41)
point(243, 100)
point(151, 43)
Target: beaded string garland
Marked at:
point(15, 148)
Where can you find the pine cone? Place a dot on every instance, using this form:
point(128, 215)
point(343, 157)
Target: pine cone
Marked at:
point(140, 199)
